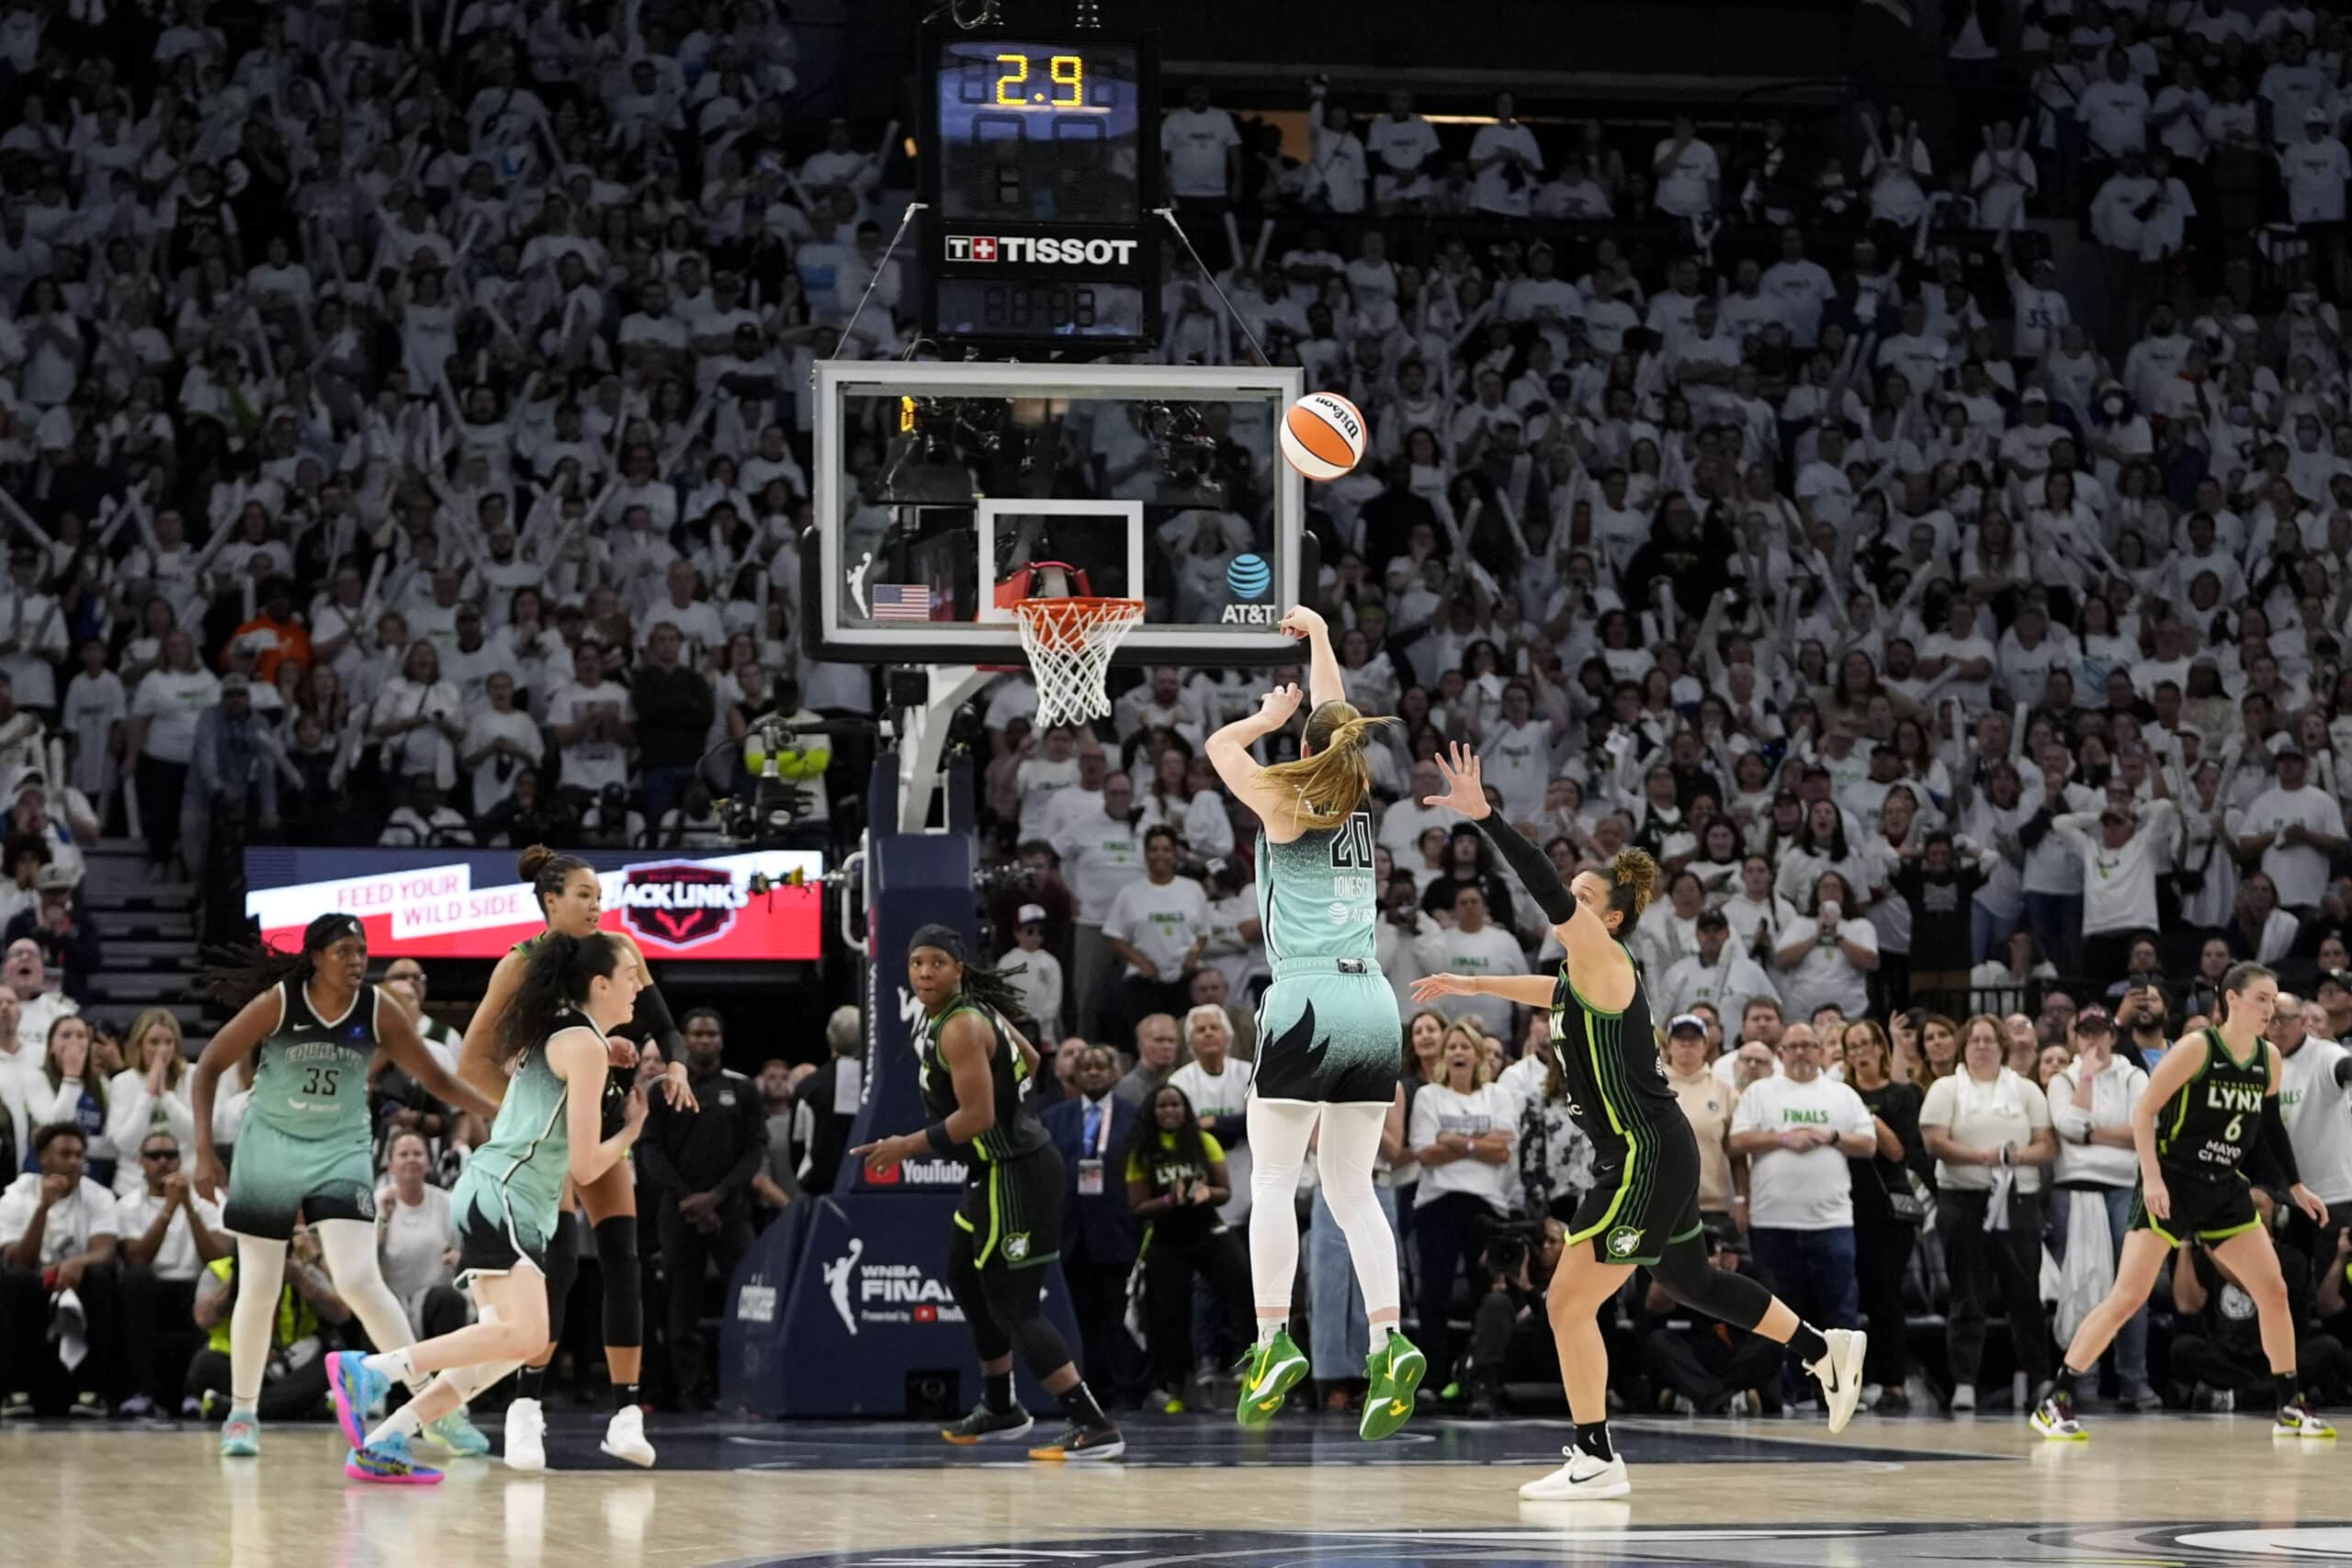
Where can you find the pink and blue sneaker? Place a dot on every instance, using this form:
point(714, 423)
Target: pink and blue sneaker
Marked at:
point(355, 1391)
point(388, 1464)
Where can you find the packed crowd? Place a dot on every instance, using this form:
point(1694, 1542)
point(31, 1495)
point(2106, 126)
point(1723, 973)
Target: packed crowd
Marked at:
point(404, 442)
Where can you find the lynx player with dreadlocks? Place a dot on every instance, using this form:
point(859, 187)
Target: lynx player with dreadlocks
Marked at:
point(970, 1066)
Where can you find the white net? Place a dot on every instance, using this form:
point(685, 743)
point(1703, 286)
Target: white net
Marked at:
point(1069, 643)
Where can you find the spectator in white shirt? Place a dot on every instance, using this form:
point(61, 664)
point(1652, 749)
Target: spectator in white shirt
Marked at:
point(1826, 959)
point(1462, 1130)
point(1101, 852)
point(1401, 144)
point(1504, 162)
point(1797, 1131)
point(1989, 1131)
point(2114, 112)
point(2091, 1104)
point(1218, 1083)
point(2296, 827)
point(1718, 973)
point(1690, 178)
point(1039, 979)
point(2120, 847)
point(1475, 947)
point(57, 1234)
point(1156, 926)
point(167, 1232)
point(1202, 149)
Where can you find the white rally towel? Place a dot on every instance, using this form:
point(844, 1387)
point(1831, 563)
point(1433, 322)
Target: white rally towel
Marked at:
point(2089, 1272)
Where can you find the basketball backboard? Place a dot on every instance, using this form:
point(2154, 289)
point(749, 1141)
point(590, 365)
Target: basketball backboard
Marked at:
point(940, 486)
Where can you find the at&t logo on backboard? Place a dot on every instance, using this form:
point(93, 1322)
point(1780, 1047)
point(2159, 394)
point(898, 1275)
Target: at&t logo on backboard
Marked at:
point(1249, 576)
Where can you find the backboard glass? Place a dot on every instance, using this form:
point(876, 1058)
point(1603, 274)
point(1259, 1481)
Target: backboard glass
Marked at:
point(937, 484)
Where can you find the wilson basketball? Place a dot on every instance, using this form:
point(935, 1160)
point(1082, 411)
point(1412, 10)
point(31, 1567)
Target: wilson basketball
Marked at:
point(1323, 435)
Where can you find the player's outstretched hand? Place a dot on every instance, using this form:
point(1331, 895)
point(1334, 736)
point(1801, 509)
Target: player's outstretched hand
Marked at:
point(1429, 987)
point(1465, 790)
point(1279, 704)
point(1302, 622)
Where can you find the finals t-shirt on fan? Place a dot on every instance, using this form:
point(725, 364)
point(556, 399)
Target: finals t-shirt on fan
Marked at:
point(1809, 1189)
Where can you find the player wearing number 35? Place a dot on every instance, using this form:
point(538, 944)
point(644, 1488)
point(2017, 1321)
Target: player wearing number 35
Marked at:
point(312, 1023)
point(1329, 1045)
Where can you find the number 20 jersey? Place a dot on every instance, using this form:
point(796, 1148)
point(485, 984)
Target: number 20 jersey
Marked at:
point(1316, 894)
point(311, 1073)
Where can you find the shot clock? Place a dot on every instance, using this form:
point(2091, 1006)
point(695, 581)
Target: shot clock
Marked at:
point(1040, 168)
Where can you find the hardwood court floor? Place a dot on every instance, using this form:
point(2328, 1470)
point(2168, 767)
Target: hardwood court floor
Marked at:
point(1198, 1493)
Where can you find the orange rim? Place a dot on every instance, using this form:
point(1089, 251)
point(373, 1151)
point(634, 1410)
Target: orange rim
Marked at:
point(1062, 624)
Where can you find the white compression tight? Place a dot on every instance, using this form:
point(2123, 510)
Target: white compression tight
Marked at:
point(349, 1250)
point(1350, 1143)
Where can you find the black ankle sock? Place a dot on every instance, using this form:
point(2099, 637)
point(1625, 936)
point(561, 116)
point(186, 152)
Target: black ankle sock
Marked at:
point(1079, 1404)
point(531, 1382)
point(1592, 1436)
point(996, 1391)
point(2069, 1380)
point(624, 1396)
point(2287, 1387)
point(1808, 1344)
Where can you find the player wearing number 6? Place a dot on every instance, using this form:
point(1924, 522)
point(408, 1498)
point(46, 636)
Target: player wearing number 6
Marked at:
point(305, 1150)
point(2210, 1101)
point(1329, 1045)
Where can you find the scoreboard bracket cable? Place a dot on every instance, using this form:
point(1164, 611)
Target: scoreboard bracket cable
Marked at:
point(1235, 316)
point(873, 283)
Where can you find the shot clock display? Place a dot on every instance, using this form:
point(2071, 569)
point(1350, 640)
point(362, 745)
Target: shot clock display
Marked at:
point(1040, 171)
point(1038, 131)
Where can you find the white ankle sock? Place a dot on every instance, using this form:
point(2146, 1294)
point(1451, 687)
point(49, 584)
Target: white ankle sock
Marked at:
point(1270, 1327)
point(1380, 1332)
point(394, 1364)
point(403, 1421)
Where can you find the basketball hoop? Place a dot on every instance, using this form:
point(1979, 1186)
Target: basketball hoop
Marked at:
point(1069, 643)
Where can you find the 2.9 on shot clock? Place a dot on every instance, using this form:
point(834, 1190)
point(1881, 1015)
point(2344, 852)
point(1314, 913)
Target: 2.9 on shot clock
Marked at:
point(1040, 167)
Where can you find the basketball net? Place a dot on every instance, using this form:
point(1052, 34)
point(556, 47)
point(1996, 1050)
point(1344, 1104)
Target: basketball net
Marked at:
point(1069, 643)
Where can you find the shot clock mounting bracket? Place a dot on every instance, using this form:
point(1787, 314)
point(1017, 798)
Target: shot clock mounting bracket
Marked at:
point(1039, 174)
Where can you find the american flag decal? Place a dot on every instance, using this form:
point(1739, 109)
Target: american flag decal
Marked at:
point(901, 601)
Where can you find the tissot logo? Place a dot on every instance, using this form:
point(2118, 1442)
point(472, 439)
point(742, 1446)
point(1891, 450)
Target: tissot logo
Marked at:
point(678, 904)
point(1041, 250)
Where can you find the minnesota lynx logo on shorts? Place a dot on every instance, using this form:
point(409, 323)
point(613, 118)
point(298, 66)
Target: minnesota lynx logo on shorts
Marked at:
point(1016, 1246)
point(1624, 1240)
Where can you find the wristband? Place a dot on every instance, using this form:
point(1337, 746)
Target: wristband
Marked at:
point(936, 1137)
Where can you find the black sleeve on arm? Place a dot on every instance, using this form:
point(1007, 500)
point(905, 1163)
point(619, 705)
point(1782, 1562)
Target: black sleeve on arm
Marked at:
point(1531, 867)
point(2275, 1143)
point(652, 1021)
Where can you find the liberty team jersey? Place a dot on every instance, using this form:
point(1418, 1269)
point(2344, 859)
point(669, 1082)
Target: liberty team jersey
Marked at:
point(529, 1152)
point(310, 1072)
point(2209, 1125)
point(1017, 1131)
point(1316, 894)
point(1609, 1062)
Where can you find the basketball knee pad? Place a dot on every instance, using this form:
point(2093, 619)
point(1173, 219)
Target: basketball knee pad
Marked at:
point(562, 1268)
point(624, 1295)
point(1014, 1301)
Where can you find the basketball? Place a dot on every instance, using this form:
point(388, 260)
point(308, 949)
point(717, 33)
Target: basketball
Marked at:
point(1323, 435)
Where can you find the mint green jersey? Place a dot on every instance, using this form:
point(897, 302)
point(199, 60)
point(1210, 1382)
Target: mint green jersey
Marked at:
point(529, 1152)
point(1316, 894)
point(310, 1072)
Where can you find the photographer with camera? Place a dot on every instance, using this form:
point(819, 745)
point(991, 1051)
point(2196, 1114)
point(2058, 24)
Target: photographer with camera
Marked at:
point(1697, 1369)
point(1509, 1333)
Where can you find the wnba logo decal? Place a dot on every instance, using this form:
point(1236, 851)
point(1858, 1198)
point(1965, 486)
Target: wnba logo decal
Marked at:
point(1249, 577)
point(678, 904)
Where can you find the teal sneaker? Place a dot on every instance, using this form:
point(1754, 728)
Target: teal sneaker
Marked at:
point(1393, 1371)
point(353, 1391)
point(241, 1435)
point(1268, 1374)
point(457, 1433)
point(387, 1464)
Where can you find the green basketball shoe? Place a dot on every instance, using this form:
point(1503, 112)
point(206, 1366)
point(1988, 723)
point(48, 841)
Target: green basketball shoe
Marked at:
point(1395, 1372)
point(1268, 1372)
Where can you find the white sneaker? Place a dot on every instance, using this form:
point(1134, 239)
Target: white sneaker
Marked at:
point(1839, 1371)
point(1583, 1478)
point(1964, 1399)
point(625, 1438)
point(527, 1431)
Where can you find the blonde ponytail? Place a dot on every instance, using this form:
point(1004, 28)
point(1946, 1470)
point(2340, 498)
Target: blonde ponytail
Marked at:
point(1330, 783)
